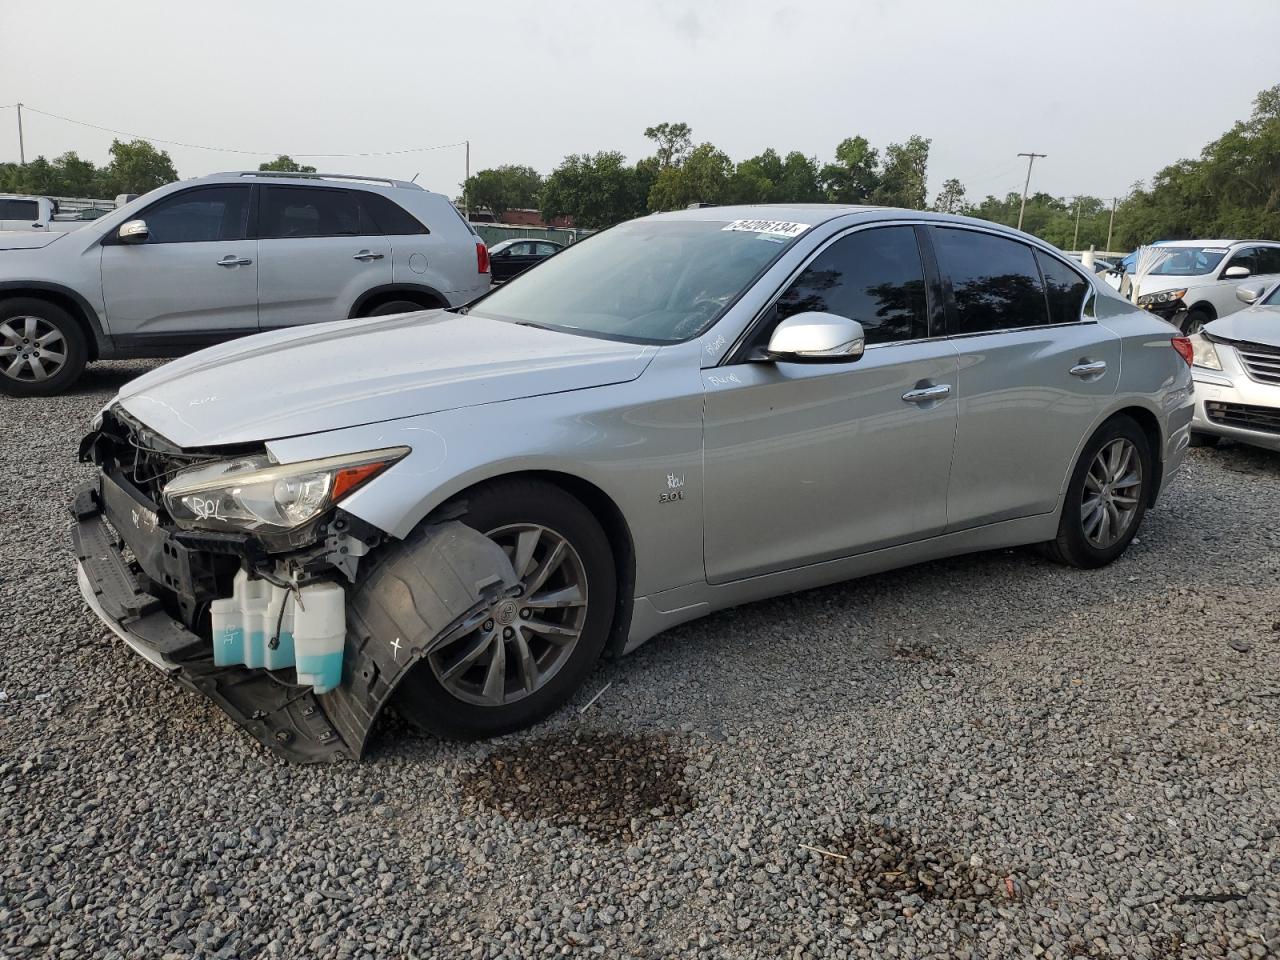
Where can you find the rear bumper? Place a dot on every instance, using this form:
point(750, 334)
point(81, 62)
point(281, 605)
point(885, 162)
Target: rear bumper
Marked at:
point(289, 719)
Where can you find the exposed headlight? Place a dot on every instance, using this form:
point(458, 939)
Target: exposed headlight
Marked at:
point(1164, 296)
point(255, 493)
point(1203, 353)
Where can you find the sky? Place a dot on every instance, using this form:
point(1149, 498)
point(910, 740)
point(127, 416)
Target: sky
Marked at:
point(1111, 92)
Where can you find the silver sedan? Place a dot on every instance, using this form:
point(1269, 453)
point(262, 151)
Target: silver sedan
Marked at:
point(463, 510)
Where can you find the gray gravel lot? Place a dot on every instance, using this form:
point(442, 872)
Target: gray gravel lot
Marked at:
point(991, 757)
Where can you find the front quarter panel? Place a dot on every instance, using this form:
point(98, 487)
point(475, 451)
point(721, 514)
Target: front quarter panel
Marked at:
point(640, 443)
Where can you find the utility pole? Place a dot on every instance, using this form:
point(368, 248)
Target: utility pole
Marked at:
point(22, 150)
point(1114, 201)
point(466, 205)
point(1031, 159)
point(1075, 237)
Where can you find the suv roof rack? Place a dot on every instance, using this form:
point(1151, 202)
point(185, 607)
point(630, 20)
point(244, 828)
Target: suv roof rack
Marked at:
point(402, 184)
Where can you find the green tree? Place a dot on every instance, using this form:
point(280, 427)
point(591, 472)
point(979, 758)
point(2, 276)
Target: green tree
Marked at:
point(596, 190)
point(903, 179)
point(950, 198)
point(137, 167)
point(509, 187)
point(674, 141)
point(854, 175)
point(702, 177)
point(286, 164)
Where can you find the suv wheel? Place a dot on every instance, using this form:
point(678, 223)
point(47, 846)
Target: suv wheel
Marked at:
point(42, 349)
point(532, 652)
point(1106, 498)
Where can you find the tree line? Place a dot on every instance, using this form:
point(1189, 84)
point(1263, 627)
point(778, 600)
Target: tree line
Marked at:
point(1231, 189)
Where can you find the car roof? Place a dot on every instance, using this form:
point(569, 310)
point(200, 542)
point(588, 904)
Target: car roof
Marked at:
point(306, 179)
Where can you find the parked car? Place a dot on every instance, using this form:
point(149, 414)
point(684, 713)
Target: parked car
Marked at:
point(510, 257)
point(1197, 283)
point(19, 212)
point(206, 260)
point(464, 509)
point(1237, 373)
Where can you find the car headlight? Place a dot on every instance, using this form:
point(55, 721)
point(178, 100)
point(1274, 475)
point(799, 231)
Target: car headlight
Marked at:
point(257, 494)
point(1203, 353)
point(1164, 296)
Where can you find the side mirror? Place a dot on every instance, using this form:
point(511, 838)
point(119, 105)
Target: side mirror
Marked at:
point(1236, 273)
point(135, 231)
point(1247, 294)
point(816, 338)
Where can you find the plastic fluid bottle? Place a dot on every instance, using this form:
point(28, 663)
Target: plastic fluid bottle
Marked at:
point(228, 632)
point(320, 634)
point(279, 618)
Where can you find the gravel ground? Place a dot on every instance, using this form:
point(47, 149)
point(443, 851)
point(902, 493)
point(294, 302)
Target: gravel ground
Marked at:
point(985, 757)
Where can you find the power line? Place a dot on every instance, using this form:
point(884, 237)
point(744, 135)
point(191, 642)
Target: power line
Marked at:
point(252, 153)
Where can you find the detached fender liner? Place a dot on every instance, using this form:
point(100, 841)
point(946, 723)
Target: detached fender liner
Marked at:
point(427, 588)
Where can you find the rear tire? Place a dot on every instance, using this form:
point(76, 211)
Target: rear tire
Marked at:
point(397, 306)
point(506, 510)
point(42, 348)
point(1106, 497)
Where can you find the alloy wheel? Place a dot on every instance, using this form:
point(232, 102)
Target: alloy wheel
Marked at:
point(31, 349)
point(1112, 493)
point(513, 648)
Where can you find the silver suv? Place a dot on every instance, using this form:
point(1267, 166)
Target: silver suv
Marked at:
point(202, 261)
point(464, 509)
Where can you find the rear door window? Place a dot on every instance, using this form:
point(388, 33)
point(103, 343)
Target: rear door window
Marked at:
point(1065, 289)
point(995, 282)
point(203, 215)
point(872, 276)
point(544, 249)
point(384, 216)
point(301, 212)
point(1269, 260)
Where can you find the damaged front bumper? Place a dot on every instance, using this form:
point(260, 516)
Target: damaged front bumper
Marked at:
point(126, 559)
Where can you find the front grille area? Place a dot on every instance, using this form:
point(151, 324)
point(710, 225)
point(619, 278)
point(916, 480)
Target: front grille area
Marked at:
point(1245, 415)
point(1261, 363)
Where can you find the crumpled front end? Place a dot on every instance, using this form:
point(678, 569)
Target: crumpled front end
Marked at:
point(275, 633)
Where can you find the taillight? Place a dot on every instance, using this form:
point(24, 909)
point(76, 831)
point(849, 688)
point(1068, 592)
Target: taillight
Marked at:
point(482, 257)
point(1184, 348)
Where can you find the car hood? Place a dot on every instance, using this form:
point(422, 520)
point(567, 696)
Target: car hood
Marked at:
point(21, 240)
point(1259, 324)
point(353, 372)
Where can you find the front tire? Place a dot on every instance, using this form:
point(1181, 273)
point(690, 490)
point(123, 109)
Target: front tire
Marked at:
point(42, 348)
point(396, 306)
point(532, 653)
point(1106, 498)
point(1194, 322)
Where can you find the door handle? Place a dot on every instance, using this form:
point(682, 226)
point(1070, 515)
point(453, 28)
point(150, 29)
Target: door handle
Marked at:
point(231, 260)
point(367, 255)
point(927, 394)
point(1089, 369)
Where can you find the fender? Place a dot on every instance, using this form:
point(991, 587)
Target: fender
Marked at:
point(101, 346)
point(413, 289)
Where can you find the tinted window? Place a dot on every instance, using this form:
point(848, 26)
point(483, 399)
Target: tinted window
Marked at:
point(196, 216)
point(995, 281)
point(1065, 288)
point(1244, 257)
point(297, 212)
point(874, 277)
point(388, 217)
point(20, 210)
point(1268, 259)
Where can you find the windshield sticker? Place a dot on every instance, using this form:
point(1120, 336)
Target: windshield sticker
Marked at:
point(1215, 249)
point(781, 228)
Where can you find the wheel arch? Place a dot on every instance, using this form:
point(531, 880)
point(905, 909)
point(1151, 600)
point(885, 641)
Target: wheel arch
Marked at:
point(1203, 306)
point(427, 297)
point(1149, 424)
point(607, 513)
point(67, 299)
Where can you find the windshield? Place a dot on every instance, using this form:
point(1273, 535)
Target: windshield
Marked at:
point(647, 281)
point(1189, 261)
